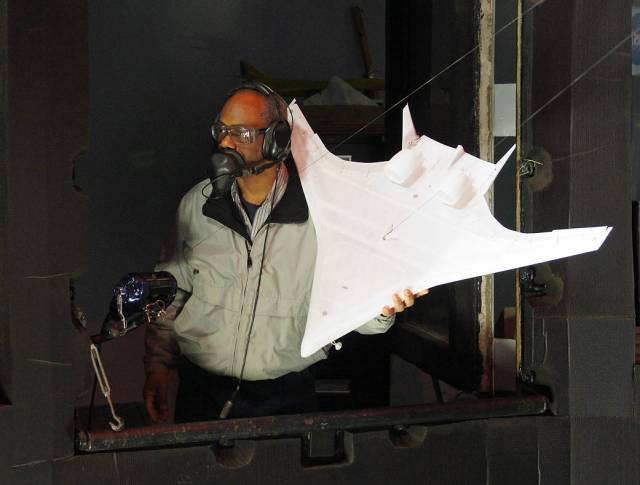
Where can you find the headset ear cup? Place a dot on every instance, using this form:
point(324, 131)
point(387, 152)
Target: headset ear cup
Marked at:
point(282, 136)
point(277, 141)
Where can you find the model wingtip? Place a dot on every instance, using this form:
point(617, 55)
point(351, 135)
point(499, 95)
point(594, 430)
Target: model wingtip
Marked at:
point(606, 231)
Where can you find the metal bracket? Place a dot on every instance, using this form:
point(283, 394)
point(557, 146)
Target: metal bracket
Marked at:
point(529, 286)
point(527, 375)
point(528, 167)
point(326, 447)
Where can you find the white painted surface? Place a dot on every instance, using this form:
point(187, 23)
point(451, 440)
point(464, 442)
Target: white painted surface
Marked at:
point(504, 110)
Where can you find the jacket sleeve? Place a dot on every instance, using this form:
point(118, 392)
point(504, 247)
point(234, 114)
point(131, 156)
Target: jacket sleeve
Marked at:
point(161, 349)
point(379, 324)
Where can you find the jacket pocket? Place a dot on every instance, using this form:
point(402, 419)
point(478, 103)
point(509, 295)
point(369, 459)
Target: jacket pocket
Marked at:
point(227, 296)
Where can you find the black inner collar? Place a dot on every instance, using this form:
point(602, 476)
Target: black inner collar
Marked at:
point(291, 209)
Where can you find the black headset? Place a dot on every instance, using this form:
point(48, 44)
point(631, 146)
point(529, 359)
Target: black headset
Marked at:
point(276, 145)
point(227, 164)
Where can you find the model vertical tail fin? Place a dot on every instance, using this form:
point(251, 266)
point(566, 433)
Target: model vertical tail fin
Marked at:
point(489, 181)
point(409, 134)
point(306, 146)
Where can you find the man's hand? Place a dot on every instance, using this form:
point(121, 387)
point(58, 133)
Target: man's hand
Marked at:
point(155, 396)
point(400, 304)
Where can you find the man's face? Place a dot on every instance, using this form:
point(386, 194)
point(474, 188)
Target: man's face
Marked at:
point(245, 108)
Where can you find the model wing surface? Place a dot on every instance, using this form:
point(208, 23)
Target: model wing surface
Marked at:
point(417, 221)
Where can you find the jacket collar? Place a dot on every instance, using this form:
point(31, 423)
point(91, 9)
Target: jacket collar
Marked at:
point(291, 209)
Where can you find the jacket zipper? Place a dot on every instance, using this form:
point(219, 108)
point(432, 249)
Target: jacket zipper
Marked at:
point(249, 247)
point(244, 292)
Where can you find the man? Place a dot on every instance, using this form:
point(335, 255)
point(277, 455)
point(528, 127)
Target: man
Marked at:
point(244, 263)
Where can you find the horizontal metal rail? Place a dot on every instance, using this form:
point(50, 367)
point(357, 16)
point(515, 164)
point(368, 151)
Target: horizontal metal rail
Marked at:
point(207, 432)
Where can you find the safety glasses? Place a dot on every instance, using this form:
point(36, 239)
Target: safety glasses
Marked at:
point(238, 133)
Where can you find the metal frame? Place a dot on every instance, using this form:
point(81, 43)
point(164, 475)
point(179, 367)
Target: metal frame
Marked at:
point(296, 425)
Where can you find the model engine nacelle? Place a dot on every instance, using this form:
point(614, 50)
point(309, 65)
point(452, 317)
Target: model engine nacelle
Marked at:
point(403, 167)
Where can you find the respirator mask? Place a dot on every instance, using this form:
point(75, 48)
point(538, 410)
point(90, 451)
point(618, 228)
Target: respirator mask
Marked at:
point(226, 165)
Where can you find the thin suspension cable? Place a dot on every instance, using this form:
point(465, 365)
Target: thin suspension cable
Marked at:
point(570, 85)
point(424, 84)
point(434, 77)
point(578, 78)
point(535, 113)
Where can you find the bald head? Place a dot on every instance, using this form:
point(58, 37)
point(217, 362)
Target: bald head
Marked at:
point(255, 101)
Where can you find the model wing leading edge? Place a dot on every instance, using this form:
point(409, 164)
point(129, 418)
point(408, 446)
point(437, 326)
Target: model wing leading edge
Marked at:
point(416, 221)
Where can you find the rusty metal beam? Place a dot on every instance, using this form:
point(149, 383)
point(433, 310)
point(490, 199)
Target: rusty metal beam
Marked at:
point(295, 425)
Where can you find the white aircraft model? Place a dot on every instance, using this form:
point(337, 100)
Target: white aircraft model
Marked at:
point(417, 221)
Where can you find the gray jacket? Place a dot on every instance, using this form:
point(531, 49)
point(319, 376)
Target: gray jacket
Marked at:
point(217, 271)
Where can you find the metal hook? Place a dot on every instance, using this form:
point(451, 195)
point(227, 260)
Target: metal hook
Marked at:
point(117, 424)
